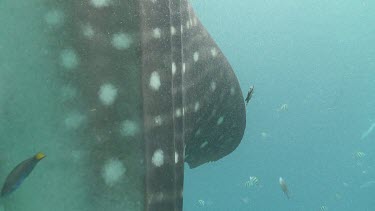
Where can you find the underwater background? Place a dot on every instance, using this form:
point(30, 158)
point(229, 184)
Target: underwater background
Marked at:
point(317, 57)
point(310, 120)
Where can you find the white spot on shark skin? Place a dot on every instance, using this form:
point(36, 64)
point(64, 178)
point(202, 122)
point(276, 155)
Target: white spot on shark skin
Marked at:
point(107, 94)
point(121, 41)
point(88, 31)
point(220, 137)
point(158, 120)
point(159, 196)
point(100, 3)
point(178, 112)
point(54, 17)
point(158, 158)
point(196, 106)
point(153, 1)
point(213, 52)
point(175, 157)
point(220, 120)
point(188, 24)
point(155, 81)
point(129, 128)
point(196, 56)
point(203, 144)
point(232, 91)
point(156, 33)
point(183, 68)
point(182, 29)
point(198, 132)
point(195, 21)
point(173, 68)
point(74, 120)
point(213, 86)
point(213, 112)
point(113, 171)
point(173, 30)
point(69, 59)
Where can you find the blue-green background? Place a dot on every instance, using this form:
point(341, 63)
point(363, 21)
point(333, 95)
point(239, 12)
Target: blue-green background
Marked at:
point(318, 57)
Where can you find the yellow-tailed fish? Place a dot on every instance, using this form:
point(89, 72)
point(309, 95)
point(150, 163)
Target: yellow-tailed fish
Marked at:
point(19, 174)
point(284, 187)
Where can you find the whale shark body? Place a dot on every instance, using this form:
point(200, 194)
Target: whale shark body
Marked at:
point(144, 89)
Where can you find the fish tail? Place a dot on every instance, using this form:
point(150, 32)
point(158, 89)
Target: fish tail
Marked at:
point(287, 193)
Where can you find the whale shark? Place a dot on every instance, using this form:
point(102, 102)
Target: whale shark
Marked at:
point(144, 89)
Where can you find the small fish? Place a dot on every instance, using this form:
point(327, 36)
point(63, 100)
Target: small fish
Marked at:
point(284, 187)
point(249, 94)
point(367, 184)
point(19, 174)
point(283, 107)
point(253, 181)
point(359, 155)
point(201, 203)
point(323, 208)
point(368, 131)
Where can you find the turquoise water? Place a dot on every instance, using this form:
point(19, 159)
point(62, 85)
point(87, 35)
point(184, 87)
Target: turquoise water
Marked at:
point(310, 120)
point(318, 57)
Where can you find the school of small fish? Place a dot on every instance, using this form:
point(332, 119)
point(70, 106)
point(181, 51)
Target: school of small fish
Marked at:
point(253, 181)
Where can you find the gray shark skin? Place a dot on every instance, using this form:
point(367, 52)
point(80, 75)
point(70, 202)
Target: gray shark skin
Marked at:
point(153, 90)
point(216, 121)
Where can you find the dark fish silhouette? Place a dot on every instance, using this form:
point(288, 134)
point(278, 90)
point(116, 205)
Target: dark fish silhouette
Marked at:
point(284, 187)
point(19, 174)
point(249, 94)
